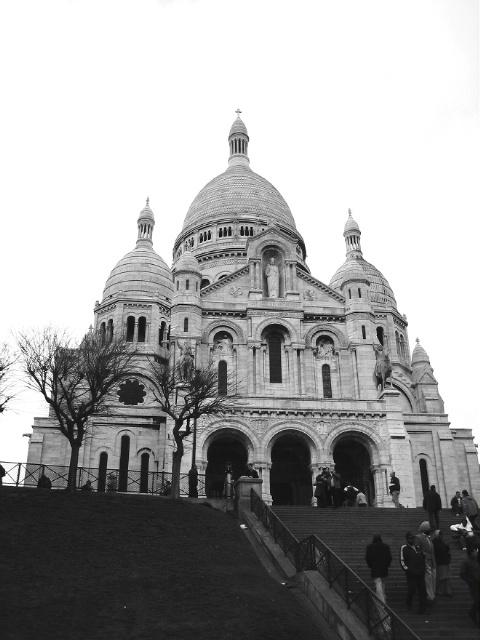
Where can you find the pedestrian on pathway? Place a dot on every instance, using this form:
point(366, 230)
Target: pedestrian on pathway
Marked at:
point(193, 482)
point(470, 573)
point(394, 488)
point(443, 559)
point(361, 500)
point(379, 557)
point(350, 495)
point(432, 503)
point(424, 542)
point(336, 488)
point(470, 508)
point(413, 563)
point(320, 491)
point(456, 503)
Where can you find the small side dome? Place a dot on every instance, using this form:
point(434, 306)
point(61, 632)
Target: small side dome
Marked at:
point(187, 263)
point(419, 355)
point(238, 127)
point(351, 224)
point(380, 291)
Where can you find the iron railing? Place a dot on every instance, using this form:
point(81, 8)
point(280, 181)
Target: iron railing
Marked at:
point(312, 554)
point(20, 474)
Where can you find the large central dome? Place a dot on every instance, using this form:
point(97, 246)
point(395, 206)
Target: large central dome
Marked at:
point(241, 192)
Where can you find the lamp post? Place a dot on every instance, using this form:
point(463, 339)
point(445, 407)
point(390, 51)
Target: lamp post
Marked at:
point(194, 444)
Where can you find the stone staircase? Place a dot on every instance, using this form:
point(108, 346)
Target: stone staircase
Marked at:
point(347, 531)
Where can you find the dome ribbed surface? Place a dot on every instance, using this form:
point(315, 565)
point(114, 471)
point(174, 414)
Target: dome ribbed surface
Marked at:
point(380, 290)
point(351, 225)
point(146, 212)
point(238, 192)
point(140, 273)
point(419, 355)
point(187, 262)
point(238, 127)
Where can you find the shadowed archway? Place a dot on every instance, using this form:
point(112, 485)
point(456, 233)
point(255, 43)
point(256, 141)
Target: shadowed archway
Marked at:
point(353, 462)
point(222, 450)
point(290, 475)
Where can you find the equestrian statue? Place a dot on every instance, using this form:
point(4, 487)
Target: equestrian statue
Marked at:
point(383, 367)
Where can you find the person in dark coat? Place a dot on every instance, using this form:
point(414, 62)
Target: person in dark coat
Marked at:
point(251, 472)
point(470, 508)
point(470, 573)
point(456, 504)
point(442, 559)
point(412, 562)
point(350, 495)
point(432, 503)
point(193, 482)
point(379, 557)
point(44, 482)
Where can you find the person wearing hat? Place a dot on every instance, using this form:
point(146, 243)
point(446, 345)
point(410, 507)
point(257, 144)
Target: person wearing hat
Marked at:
point(412, 562)
point(424, 542)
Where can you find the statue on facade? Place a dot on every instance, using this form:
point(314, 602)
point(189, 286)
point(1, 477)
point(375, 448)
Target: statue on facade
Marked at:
point(383, 367)
point(325, 348)
point(186, 365)
point(224, 345)
point(271, 273)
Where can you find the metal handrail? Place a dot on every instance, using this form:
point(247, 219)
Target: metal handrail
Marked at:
point(312, 554)
point(19, 474)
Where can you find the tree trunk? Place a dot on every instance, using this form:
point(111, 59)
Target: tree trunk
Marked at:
point(72, 471)
point(177, 461)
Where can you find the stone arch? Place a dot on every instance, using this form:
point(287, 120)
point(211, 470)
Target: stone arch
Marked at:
point(293, 335)
point(292, 427)
point(273, 242)
point(339, 339)
point(405, 391)
point(235, 428)
point(431, 470)
point(364, 433)
point(227, 325)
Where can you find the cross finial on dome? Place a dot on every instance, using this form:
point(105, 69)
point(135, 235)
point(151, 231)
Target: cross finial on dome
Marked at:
point(350, 213)
point(148, 201)
point(417, 340)
point(238, 112)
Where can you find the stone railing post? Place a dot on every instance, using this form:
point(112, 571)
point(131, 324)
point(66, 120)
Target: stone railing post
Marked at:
point(243, 486)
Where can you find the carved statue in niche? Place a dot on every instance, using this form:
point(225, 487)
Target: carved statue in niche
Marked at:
point(223, 344)
point(325, 348)
point(271, 273)
point(186, 363)
point(383, 367)
point(310, 294)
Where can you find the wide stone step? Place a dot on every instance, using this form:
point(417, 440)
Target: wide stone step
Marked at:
point(347, 531)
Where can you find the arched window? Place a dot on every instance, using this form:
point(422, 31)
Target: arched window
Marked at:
point(130, 328)
point(144, 464)
point(124, 457)
point(424, 475)
point(397, 342)
point(275, 357)
point(222, 378)
point(102, 333)
point(327, 381)
point(364, 332)
point(187, 284)
point(110, 330)
point(220, 232)
point(380, 335)
point(102, 471)
point(142, 329)
point(205, 282)
point(185, 325)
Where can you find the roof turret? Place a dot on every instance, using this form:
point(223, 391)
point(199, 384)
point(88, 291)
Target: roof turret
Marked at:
point(419, 355)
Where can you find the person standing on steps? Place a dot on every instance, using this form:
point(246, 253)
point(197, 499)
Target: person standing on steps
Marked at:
point(424, 542)
point(470, 508)
point(394, 488)
point(442, 558)
point(456, 503)
point(413, 563)
point(379, 557)
point(470, 573)
point(432, 503)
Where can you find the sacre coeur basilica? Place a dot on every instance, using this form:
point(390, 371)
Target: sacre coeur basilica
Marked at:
point(304, 357)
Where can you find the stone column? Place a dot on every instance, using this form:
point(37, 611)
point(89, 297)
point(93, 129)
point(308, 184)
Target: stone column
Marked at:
point(302, 372)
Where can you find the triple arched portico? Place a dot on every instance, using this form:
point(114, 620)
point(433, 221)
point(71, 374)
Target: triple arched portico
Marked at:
point(288, 454)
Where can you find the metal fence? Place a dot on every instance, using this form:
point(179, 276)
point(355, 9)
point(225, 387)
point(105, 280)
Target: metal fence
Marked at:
point(312, 554)
point(20, 474)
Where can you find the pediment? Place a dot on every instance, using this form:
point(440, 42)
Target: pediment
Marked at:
point(316, 292)
point(427, 378)
point(234, 287)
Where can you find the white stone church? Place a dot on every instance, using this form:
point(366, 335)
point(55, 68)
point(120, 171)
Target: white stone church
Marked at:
point(302, 355)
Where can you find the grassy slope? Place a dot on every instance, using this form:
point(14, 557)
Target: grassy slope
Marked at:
point(110, 566)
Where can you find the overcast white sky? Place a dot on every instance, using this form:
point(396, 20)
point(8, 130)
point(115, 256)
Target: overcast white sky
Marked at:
point(361, 104)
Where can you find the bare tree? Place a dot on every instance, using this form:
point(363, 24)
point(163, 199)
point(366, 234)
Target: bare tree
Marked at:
point(75, 379)
point(7, 364)
point(185, 398)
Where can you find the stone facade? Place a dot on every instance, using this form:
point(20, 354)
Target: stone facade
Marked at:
point(302, 355)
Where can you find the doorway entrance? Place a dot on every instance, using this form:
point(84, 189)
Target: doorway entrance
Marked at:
point(290, 475)
point(222, 450)
point(352, 459)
